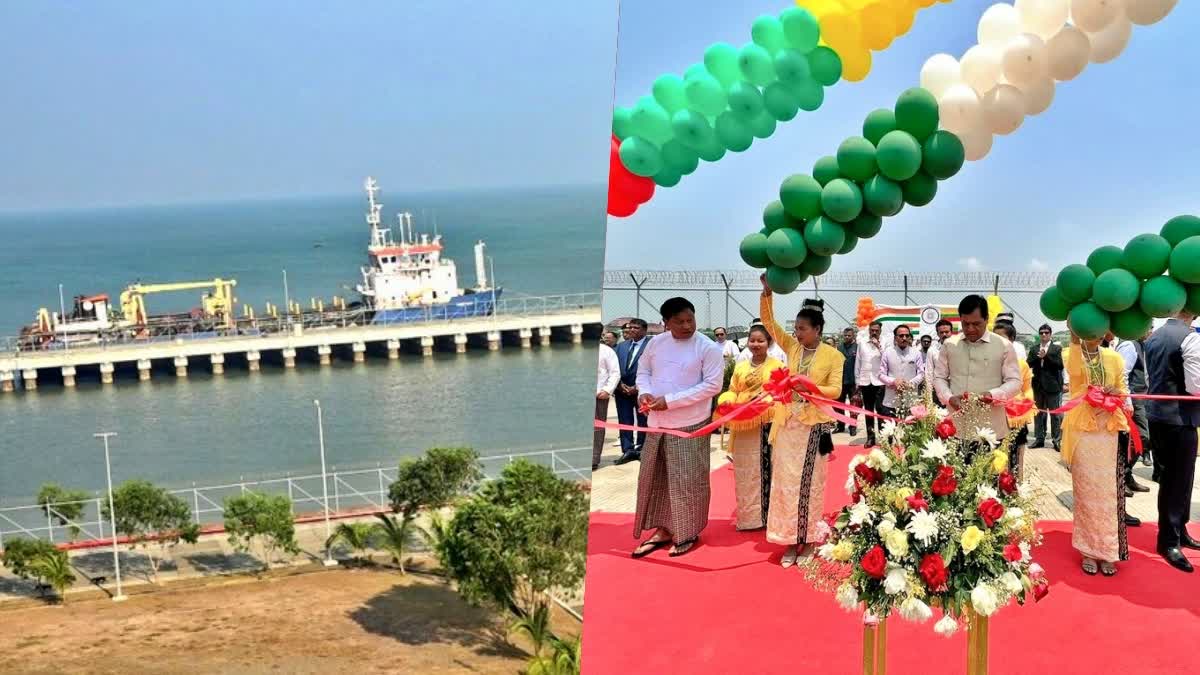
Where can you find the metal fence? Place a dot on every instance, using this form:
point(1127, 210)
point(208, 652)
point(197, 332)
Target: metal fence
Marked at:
point(349, 490)
point(731, 298)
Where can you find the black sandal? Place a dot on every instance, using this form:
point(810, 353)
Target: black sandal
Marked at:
point(654, 546)
point(683, 547)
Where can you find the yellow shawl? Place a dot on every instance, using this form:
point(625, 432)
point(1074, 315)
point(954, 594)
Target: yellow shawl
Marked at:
point(823, 367)
point(746, 383)
point(1083, 417)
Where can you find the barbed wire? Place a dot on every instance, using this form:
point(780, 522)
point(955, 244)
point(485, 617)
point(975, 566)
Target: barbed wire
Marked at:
point(832, 281)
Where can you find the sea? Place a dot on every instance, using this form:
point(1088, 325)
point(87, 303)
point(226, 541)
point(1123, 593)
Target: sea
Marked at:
point(243, 426)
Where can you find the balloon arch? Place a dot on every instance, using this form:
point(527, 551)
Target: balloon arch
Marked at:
point(736, 95)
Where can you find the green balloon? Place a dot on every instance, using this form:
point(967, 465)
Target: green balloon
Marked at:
point(1088, 321)
point(668, 91)
point(1147, 255)
point(826, 169)
point(809, 94)
point(917, 113)
point(866, 225)
point(651, 121)
point(695, 70)
point(692, 129)
point(1131, 324)
point(705, 94)
point(783, 280)
point(920, 189)
point(878, 124)
point(776, 218)
point(733, 133)
point(801, 196)
point(753, 250)
point(745, 100)
point(1105, 258)
point(767, 32)
point(780, 102)
point(942, 155)
point(721, 61)
point(1179, 228)
point(816, 265)
point(883, 197)
point(679, 157)
point(851, 242)
point(856, 158)
point(1193, 299)
point(898, 155)
point(841, 200)
point(667, 177)
point(791, 67)
point(786, 247)
point(640, 156)
point(1116, 290)
point(826, 65)
point(1075, 283)
point(622, 126)
point(824, 236)
point(756, 64)
point(712, 151)
point(1053, 305)
point(800, 28)
point(1185, 260)
point(1162, 297)
point(762, 126)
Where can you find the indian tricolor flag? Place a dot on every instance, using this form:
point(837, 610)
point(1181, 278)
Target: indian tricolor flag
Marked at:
point(921, 319)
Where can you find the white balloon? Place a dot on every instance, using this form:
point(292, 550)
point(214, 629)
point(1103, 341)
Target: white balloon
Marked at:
point(959, 109)
point(1146, 12)
point(1067, 53)
point(939, 73)
point(1043, 18)
point(1024, 59)
point(1110, 42)
point(1038, 96)
point(1003, 109)
point(980, 68)
point(998, 25)
point(1092, 16)
point(977, 143)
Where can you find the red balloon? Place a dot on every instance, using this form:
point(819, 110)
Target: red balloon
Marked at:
point(625, 190)
point(620, 207)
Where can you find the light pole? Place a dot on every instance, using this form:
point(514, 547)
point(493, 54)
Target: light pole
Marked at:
point(329, 561)
point(62, 313)
point(287, 298)
point(112, 513)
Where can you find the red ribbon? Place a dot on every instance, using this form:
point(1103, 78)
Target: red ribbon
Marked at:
point(1097, 398)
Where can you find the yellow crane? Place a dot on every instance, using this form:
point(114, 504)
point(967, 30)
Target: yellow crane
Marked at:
point(218, 302)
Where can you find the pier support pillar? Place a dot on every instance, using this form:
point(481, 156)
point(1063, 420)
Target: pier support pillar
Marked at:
point(360, 351)
point(6, 381)
point(544, 335)
point(493, 338)
point(106, 373)
point(526, 338)
point(393, 347)
point(218, 364)
point(460, 343)
point(68, 373)
point(325, 352)
point(181, 364)
point(427, 345)
point(29, 377)
point(143, 366)
point(577, 334)
point(289, 357)
point(253, 360)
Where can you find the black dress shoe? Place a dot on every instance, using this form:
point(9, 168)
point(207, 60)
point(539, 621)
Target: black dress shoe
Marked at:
point(1147, 460)
point(1186, 541)
point(1132, 521)
point(1176, 559)
point(1134, 485)
point(1037, 444)
point(1128, 492)
point(628, 457)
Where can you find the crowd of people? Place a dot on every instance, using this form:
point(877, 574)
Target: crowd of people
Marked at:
point(668, 385)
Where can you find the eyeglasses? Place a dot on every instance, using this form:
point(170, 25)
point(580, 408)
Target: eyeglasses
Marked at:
point(1044, 332)
point(720, 335)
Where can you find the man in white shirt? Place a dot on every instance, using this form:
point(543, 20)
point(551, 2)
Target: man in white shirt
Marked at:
point(679, 374)
point(729, 348)
point(901, 368)
point(608, 374)
point(866, 376)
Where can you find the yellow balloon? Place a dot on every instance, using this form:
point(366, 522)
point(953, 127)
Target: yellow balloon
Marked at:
point(925, 3)
point(856, 62)
point(878, 22)
point(840, 29)
point(904, 14)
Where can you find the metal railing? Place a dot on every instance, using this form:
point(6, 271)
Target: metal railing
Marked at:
point(349, 490)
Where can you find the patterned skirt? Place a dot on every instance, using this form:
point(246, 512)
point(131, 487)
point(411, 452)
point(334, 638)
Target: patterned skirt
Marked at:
point(1097, 481)
point(673, 485)
point(798, 474)
point(751, 476)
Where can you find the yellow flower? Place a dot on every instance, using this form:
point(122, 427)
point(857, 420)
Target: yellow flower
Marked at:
point(726, 397)
point(999, 461)
point(971, 538)
point(902, 494)
point(897, 543)
point(842, 551)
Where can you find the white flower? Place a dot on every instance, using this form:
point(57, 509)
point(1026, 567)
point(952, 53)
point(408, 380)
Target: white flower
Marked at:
point(823, 531)
point(935, 449)
point(986, 434)
point(923, 526)
point(1013, 513)
point(847, 597)
point(1011, 582)
point(913, 609)
point(884, 527)
point(856, 460)
point(1025, 551)
point(850, 483)
point(946, 626)
point(825, 551)
point(987, 492)
point(888, 430)
point(878, 459)
point(896, 542)
point(1024, 490)
point(896, 581)
point(861, 513)
point(984, 599)
point(940, 413)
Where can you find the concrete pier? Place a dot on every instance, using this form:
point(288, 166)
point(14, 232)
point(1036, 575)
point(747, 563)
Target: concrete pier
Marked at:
point(29, 377)
point(218, 364)
point(360, 351)
point(7, 381)
point(393, 347)
point(253, 360)
point(427, 345)
point(526, 335)
point(494, 340)
point(106, 373)
point(460, 343)
point(68, 373)
point(143, 367)
point(289, 357)
point(577, 333)
point(325, 354)
point(181, 365)
point(544, 335)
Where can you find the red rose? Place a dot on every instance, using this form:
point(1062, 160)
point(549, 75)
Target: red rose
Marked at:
point(945, 429)
point(873, 563)
point(917, 502)
point(870, 476)
point(991, 511)
point(1040, 589)
point(1012, 552)
point(933, 571)
point(1008, 482)
point(944, 483)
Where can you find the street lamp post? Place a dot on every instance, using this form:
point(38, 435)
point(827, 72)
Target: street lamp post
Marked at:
point(329, 561)
point(287, 298)
point(112, 513)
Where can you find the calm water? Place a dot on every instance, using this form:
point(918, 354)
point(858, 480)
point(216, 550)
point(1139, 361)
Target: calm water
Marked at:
point(243, 424)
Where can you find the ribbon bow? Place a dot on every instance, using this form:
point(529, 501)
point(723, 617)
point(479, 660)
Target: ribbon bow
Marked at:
point(1097, 398)
point(1017, 407)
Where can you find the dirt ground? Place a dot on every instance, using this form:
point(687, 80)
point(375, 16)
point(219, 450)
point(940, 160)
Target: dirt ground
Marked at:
point(342, 620)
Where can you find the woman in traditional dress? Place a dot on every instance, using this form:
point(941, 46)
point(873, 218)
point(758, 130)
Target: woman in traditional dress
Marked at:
point(1020, 422)
point(747, 440)
point(1090, 449)
point(798, 465)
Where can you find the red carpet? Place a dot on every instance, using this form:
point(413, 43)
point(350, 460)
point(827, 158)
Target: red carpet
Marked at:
point(727, 607)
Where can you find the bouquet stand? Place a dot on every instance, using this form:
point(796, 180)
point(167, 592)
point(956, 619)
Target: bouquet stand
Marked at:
point(977, 643)
point(875, 648)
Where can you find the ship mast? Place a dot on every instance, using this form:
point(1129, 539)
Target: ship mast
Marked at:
point(378, 234)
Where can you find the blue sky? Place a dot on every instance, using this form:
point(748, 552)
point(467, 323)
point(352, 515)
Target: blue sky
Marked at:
point(1114, 156)
point(119, 103)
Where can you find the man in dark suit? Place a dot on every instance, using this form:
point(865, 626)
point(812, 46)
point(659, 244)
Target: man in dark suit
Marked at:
point(628, 353)
point(1046, 361)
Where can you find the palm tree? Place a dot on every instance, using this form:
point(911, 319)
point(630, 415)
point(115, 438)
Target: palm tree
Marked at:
point(537, 627)
point(396, 536)
point(357, 536)
point(563, 661)
point(55, 569)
